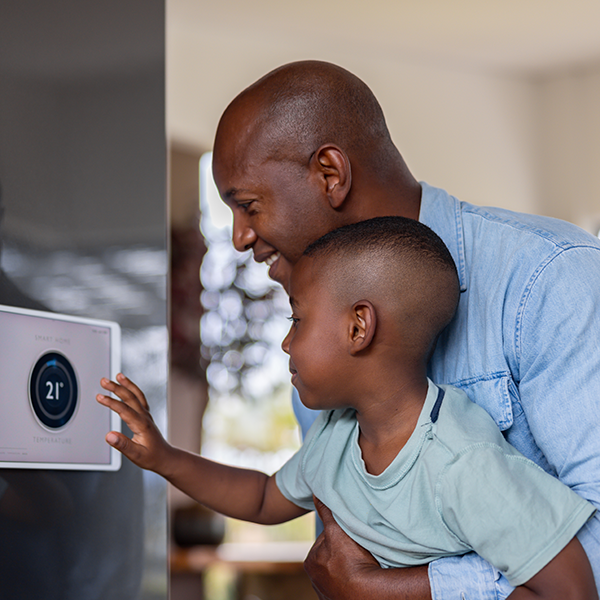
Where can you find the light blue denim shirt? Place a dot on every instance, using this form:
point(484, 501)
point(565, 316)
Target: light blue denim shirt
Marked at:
point(524, 345)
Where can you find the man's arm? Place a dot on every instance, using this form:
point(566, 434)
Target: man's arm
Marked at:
point(339, 569)
point(238, 493)
point(559, 378)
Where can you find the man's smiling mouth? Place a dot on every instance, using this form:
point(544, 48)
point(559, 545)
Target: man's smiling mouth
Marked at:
point(271, 259)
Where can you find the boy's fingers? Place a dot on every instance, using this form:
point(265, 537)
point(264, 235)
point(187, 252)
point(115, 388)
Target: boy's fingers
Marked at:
point(123, 444)
point(126, 412)
point(122, 392)
point(134, 389)
point(113, 439)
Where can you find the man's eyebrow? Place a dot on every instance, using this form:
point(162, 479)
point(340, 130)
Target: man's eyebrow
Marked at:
point(232, 192)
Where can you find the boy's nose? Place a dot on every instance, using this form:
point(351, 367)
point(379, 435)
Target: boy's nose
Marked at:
point(285, 345)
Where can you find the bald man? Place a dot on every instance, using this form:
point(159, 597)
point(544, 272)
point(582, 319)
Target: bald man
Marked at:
point(305, 150)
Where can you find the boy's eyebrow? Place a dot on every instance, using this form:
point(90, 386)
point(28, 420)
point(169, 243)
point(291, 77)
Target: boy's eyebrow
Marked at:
point(294, 303)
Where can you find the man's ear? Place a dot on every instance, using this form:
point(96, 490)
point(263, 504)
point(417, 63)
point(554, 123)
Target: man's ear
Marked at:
point(363, 324)
point(332, 165)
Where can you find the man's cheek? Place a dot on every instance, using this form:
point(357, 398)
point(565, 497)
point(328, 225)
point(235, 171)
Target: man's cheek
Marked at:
point(284, 270)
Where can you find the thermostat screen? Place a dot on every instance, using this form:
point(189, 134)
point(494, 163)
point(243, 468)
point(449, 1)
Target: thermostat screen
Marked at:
point(50, 371)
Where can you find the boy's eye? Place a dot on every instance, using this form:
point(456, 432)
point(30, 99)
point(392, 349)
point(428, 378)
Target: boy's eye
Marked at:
point(293, 319)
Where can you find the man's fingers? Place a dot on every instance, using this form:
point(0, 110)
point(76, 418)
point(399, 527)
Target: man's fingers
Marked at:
point(115, 439)
point(125, 411)
point(324, 512)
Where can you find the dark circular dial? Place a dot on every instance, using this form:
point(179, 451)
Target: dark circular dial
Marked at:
point(53, 391)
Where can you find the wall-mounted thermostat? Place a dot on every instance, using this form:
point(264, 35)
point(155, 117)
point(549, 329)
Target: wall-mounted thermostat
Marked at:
point(50, 371)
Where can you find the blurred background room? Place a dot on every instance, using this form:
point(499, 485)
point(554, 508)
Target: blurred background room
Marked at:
point(494, 101)
point(107, 118)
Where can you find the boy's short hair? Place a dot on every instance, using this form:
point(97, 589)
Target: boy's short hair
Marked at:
point(400, 263)
point(382, 235)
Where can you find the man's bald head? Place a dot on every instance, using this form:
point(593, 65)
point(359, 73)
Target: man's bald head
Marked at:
point(300, 106)
point(301, 152)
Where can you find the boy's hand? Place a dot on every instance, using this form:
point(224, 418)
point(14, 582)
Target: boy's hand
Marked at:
point(147, 449)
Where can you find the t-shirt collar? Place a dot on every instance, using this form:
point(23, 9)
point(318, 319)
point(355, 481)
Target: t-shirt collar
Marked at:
point(406, 458)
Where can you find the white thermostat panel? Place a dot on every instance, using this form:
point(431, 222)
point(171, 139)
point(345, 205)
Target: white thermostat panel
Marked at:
point(50, 371)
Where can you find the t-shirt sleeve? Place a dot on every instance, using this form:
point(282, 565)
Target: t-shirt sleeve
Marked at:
point(290, 478)
point(508, 510)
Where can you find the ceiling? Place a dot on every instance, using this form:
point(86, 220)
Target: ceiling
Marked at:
point(519, 36)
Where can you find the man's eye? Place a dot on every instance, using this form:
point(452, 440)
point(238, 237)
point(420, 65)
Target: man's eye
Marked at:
point(245, 206)
point(293, 319)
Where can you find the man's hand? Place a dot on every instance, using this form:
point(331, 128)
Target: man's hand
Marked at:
point(340, 569)
point(147, 449)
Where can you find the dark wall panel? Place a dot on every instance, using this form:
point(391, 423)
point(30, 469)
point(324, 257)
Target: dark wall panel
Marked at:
point(83, 180)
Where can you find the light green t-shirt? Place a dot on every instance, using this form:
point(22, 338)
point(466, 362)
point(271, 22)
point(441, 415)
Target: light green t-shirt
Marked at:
point(456, 486)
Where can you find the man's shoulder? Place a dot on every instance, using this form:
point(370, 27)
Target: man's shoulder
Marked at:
point(503, 222)
point(456, 217)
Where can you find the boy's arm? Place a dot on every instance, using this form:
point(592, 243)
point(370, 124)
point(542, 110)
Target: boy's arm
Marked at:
point(238, 493)
point(567, 575)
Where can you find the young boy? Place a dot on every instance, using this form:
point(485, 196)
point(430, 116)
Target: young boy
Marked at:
point(410, 470)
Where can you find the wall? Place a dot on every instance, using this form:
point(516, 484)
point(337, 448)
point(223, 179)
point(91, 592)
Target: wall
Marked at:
point(569, 146)
point(523, 141)
point(469, 131)
point(83, 174)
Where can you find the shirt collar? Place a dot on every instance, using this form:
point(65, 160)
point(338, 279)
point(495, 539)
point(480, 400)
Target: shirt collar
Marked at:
point(442, 212)
point(408, 455)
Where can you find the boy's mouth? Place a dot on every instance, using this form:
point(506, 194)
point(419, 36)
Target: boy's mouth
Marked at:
point(293, 372)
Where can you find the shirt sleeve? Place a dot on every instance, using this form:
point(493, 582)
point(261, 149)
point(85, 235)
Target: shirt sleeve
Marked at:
point(508, 510)
point(290, 478)
point(467, 576)
point(557, 350)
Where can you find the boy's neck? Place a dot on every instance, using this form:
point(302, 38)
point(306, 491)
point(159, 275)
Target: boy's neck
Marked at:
point(387, 423)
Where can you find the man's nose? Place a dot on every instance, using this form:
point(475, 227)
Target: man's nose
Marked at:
point(243, 235)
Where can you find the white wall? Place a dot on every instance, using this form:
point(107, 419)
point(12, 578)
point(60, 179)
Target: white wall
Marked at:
point(489, 138)
point(569, 146)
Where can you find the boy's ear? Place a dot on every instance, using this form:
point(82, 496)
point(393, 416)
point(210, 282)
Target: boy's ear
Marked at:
point(362, 326)
point(332, 166)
